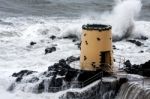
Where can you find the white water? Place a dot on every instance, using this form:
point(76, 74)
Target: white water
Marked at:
point(17, 33)
point(133, 91)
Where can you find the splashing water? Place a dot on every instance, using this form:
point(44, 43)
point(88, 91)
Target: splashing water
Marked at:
point(122, 18)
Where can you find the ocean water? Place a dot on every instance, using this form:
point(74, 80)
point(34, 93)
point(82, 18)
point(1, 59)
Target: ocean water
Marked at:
point(23, 21)
point(62, 8)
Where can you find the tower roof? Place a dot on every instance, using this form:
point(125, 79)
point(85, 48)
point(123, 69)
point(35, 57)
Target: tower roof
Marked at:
point(99, 27)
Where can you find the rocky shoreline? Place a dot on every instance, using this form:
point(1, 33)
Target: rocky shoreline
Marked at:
point(141, 69)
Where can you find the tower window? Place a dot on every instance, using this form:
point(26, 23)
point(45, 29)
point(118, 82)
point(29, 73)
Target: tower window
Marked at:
point(98, 39)
point(85, 34)
point(85, 57)
point(93, 65)
point(86, 42)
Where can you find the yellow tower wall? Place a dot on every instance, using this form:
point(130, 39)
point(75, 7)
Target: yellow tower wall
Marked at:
point(96, 48)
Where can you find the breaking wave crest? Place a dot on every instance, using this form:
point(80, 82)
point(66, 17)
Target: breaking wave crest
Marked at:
point(123, 17)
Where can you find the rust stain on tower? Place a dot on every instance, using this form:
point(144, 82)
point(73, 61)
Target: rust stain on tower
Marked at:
point(96, 48)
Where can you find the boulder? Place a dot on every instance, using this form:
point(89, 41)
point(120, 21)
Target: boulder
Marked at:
point(142, 69)
point(32, 43)
point(114, 47)
point(70, 75)
point(53, 37)
point(138, 43)
point(71, 36)
point(72, 59)
point(22, 73)
point(142, 38)
point(141, 51)
point(59, 75)
point(40, 87)
point(50, 50)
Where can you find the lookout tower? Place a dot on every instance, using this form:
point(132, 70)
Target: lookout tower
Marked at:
point(96, 48)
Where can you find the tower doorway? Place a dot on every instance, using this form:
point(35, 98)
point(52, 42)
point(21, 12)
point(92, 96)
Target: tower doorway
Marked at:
point(105, 59)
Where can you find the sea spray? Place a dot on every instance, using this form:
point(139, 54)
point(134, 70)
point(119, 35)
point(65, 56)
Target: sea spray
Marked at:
point(122, 18)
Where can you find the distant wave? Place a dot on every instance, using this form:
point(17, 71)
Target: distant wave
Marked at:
point(57, 8)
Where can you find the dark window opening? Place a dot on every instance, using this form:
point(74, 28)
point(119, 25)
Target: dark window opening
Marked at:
point(85, 57)
point(105, 57)
point(98, 39)
point(93, 65)
point(86, 42)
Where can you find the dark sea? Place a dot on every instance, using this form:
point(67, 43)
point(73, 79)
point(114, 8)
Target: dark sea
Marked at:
point(62, 8)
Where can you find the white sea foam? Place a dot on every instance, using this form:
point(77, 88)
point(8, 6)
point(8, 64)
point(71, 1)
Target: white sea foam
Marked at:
point(123, 17)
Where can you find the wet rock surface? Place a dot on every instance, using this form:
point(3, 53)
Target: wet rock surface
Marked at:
point(53, 37)
point(32, 43)
point(71, 36)
point(142, 38)
point(59, 76)
point(142, 69)
point(22, 73)
point(72, 59)
point(50, 50)
point(78, 45)
point(138, 43)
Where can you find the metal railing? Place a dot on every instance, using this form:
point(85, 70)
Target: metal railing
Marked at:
point(88, 81)
point(120, 60)
point(106, 67)
point(77, 84)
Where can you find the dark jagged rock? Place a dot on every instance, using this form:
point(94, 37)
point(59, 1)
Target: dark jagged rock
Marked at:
point(127, 64)
point(52, 85)
point(79, 45)
point(59, 66)
point(114, 47)
point(56, 82)
point(138, 43)
point(142, 69)
point(63, 69)
point(72, 59)
point(120, 82)
point(71, 36)
point(50, 50)
point(32, 43)
point(142, 38)
point(53, 37)
point(22, 73)
point(33, 80)
point(63, 63)
point(57, 76)
point(141, 52)
point(18, 79)
point(70, 75)
point(41, 87)
point(74, 40)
